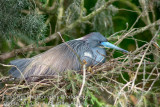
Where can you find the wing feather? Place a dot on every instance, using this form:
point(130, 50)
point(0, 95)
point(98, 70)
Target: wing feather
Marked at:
point(56, 60)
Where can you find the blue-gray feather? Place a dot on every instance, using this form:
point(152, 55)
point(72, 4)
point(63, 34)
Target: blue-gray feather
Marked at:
point(66, 56)
point(20, 64)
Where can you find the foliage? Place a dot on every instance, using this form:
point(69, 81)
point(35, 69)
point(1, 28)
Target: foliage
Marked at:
point(123, 80)
point(102, 22)
point(17, 23)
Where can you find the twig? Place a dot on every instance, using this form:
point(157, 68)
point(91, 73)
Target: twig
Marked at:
point(22, 50)
point(53, 36)
point(18, 71)
point(120, 92)
point(143, 59)
point(48, 10)
point(104, 88)
point(60, 15)
point(82, 8)
point(83, 83)
point(137, 31)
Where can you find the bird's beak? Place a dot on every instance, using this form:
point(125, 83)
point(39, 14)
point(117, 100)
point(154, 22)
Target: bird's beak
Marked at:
point(109, 45)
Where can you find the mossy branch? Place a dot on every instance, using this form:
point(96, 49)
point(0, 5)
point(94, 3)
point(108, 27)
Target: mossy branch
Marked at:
point(48, 10)
point(53, 36)
point(140, 30)
point(32, 47)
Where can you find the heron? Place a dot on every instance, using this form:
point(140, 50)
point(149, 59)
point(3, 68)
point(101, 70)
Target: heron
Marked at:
point(63, 57)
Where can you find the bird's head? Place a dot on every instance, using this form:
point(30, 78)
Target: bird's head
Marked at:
point(96, 39)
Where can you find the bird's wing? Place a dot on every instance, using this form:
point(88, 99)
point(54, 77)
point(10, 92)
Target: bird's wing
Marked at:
point(55, 60)
point(18, 66)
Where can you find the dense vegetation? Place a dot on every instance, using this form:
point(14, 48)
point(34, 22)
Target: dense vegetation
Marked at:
point(29, 27)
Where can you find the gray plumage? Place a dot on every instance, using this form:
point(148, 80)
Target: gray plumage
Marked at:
point(66, 56)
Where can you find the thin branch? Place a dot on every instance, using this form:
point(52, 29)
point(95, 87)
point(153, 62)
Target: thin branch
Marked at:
point(83, 83)
point(82, 8)
point(135, 77)
point(18, 71)
point(60, 15)
point(140, 30)
point(53, 36)
point(22, 50)
point(98, 10)
point(48, 10)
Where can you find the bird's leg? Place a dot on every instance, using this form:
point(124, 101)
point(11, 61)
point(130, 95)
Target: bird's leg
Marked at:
point(90, 70)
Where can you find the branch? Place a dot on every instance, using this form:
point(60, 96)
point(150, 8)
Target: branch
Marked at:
point(48, 10)
point(144, 12)
point(140, 30)
point(53, 36)
point(48, 39)
point(83, 83)
point(133, 83)
point(22, 50)
point(98, 10)
point(60, 15)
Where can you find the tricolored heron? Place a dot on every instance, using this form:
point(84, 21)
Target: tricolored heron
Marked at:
point(66, 56)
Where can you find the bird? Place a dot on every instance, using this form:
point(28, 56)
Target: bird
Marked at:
point(65, 56)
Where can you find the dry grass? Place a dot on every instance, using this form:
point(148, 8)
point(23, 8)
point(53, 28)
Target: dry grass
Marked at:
point(128, 80)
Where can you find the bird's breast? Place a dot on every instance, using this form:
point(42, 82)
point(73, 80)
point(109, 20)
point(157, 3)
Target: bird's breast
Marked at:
point(99, 55)
point(94, 56)
point(88, 54)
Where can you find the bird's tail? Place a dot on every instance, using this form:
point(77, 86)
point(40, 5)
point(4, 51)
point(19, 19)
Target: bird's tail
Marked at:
point(19, 66)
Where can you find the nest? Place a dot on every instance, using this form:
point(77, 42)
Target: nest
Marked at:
point(125, 80)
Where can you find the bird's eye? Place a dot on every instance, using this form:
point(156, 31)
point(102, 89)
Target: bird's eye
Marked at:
point(99, 42)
